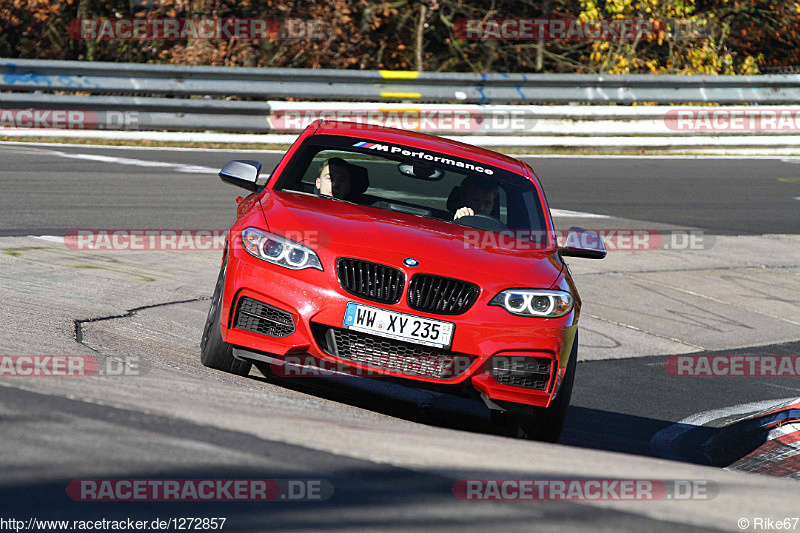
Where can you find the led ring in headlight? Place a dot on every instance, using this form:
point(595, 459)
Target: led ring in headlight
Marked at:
point(270, 248)
point(296, 257)
point(534, 302)
point(279, 250)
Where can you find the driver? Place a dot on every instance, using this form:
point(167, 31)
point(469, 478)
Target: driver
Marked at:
point(334, 178)
point(476, 196)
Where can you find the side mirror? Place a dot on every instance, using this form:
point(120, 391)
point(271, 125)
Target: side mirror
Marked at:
point(583, 243)
point(242, 174)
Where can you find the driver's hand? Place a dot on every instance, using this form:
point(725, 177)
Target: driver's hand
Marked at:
point(464, 212)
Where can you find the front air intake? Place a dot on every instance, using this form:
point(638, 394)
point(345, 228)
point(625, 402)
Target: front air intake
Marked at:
point(526, 372)
point(371, 281)
point(440, 295)
point(258, 317)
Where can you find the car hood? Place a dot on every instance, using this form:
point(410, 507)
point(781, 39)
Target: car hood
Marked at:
point(343, 229)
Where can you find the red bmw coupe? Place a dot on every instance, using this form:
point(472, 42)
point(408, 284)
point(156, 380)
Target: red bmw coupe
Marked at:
point(385, 252)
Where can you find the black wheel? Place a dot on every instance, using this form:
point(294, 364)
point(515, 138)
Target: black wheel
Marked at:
point(545, 424)
point(214, 352)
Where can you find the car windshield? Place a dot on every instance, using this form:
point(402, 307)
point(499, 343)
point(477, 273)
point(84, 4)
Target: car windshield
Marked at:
point(415, 181)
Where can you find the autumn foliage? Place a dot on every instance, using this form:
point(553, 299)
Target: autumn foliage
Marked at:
point(731, 37)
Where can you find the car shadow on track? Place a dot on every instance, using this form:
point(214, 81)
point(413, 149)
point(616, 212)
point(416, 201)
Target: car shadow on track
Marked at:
point(623, 433)
point(392, 399)
point(85, 450)
point(366, 498)
point(584, 428)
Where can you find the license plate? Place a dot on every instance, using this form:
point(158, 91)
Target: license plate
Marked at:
point(399, 326)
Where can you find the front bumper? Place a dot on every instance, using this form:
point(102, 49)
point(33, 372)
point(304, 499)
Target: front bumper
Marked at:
point(316, 303)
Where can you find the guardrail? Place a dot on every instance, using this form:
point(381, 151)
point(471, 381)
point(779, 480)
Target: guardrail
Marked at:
point(126, 113)
point(360, 85)
point(78, 99)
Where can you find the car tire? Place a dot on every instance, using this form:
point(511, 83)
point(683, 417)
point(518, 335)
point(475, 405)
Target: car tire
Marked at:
point(545, 423)
point(214, 352)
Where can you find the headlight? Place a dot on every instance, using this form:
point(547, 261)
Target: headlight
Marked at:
point(279, 250)
point(534, 302)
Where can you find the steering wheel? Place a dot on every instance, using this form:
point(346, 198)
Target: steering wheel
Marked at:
point(481, 221)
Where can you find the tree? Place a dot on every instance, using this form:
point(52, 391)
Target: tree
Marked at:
point(686, 41)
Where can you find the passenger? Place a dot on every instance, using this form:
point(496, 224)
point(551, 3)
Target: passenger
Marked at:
point(477, 198)
point(334, 178)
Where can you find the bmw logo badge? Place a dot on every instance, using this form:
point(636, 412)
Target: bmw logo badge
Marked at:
point(410, 262)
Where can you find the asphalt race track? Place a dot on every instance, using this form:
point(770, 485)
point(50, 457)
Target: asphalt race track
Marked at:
point(391, 454)
point(58, 188)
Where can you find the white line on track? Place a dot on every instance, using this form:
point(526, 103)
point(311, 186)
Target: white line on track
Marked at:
point(782, 158)
point(197, 169)
point(177, 167)
point(51, 238)
point(152, 148)
point(575, 214)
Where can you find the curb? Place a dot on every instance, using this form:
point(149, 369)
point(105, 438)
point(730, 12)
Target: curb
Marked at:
point(779, 455)
point(766, 442)
point(761, 437)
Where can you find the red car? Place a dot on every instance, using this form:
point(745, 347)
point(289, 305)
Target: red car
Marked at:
point(384, 252)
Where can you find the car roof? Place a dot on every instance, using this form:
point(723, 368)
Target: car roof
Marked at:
point(418, 140)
